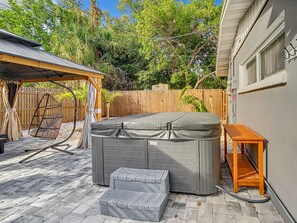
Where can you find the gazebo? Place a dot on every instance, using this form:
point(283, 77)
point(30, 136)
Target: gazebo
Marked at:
point(23, 60)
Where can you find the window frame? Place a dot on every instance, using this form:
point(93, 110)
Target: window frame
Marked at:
point(278, 78)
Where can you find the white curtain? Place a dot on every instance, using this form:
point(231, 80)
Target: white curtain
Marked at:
point(85, 140)
point(11, 124)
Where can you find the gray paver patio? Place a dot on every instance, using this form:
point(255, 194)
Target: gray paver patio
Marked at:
point(56, 187)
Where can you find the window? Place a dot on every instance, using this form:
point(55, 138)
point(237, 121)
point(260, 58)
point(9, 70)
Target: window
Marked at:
point(273, 57)
point(266, 67)
point(251, 69)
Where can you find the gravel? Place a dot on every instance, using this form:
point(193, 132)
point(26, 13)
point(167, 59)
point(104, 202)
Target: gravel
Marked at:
point(65, 130)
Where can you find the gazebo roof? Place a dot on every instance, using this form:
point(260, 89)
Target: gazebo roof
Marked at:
point(23, 60)
point(17, 39)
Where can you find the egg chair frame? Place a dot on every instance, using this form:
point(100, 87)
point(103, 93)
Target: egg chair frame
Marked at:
point(56, 146)
point(47, 119)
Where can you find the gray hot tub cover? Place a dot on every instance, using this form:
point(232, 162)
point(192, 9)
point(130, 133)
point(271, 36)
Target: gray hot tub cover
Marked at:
point(166, 125)
point(113, 127)
point(156, 126)
point(195, 125)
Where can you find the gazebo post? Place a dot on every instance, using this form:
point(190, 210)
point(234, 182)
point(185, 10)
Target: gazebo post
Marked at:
point(98, 104)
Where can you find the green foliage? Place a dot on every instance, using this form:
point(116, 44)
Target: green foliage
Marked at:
point(81, 94)
point(78, 46)
point(62, 29)
point(31, 18)
point(121, 57)
point(215, 83)
point(199, 105)
point(42, 85)
point(136, 50)
point(109, 97)
point(188, 99)
point(180, 60)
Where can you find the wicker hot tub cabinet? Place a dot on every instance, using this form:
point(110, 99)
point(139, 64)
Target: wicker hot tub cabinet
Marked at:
point(185, 143)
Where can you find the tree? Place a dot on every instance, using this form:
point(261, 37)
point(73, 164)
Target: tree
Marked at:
point(121, 58)
point(63, 29)
point(94, 14)
point(32, 19)
point(178, 40)
point(159, 41)
point(75, 36)
point(108, 98)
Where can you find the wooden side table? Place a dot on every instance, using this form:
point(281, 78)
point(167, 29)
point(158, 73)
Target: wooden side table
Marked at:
point(243, 173)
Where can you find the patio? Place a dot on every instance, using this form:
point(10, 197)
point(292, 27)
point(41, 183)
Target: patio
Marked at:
point(55, 187)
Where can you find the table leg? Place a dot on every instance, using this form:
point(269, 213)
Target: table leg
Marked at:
point(1, 147)
point(235, 167)
point(242, 148)
point(260, 167)
point(225, 143)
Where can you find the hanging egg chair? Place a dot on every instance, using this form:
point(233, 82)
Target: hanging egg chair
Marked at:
point(47, 118)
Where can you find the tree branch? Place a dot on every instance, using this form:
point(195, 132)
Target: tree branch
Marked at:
point(199, 81)
point(197, 50)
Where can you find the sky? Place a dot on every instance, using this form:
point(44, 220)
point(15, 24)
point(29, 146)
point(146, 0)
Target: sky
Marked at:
point(106, 5)
point(111, 6)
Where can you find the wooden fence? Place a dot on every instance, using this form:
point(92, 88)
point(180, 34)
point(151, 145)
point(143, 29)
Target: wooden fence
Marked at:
point(134, 102)
point(131, 102)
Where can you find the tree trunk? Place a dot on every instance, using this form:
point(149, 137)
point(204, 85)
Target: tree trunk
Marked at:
point(186, 78)
point(94, 14)
point(107, 110)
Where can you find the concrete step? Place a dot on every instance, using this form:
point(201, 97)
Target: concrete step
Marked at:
point(133, 204)
point(140, 180)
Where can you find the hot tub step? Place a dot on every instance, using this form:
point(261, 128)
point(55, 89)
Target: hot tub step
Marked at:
point(141, 180)
point(133, 205)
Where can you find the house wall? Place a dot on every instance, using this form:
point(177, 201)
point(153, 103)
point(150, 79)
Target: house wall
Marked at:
point(272, 112)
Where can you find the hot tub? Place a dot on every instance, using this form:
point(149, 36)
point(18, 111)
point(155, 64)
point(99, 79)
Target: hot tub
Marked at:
point(185, 143)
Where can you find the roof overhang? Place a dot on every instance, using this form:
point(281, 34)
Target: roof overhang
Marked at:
point(232, 13)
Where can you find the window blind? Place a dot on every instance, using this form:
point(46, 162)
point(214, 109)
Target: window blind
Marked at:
point(251, 72)
point(273, 57)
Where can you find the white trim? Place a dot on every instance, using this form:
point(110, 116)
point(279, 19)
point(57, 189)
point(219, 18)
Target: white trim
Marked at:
point(233, 12)
point(276, 33)
point(279, 78)
point(258, 66)
point(237, 19)
point(246, 24)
